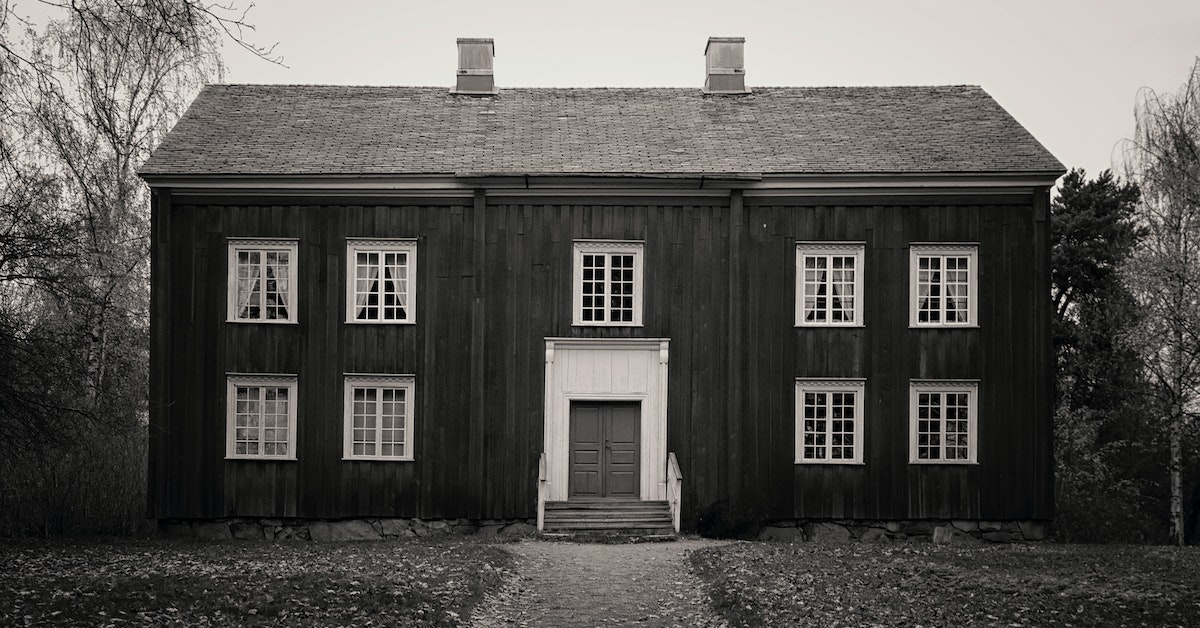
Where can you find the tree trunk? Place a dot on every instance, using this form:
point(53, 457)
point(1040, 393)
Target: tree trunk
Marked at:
point(1176, 469)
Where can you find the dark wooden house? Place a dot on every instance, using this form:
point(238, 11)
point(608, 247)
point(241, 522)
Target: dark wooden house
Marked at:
point(757, 305)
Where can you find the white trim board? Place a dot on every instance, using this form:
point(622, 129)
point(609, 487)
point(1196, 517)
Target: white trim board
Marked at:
point(603, 369)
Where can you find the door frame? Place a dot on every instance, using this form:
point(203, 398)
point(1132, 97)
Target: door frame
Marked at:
point(606, 369)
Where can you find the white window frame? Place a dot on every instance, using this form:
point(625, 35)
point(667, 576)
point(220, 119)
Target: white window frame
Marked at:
point(830, 386)
point(237, 380)
point(262, 246)
point(827, 250)
point(608, 248)
point(381, 246)
point(971, 388)
point(942, 251)
point(407, 383)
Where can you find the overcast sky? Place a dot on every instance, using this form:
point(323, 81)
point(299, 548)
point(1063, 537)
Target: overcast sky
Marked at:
point(1069, 71)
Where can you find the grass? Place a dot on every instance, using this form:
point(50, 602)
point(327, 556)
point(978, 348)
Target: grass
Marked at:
point(919, 584)
point(174, 583)
point(423, 582)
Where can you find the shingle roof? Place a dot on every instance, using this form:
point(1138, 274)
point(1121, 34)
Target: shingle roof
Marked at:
point(286, 129)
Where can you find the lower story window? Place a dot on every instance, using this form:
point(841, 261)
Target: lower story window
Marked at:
point(261, 417)
point(829, 421)
point(378, 417)
point(943, 418)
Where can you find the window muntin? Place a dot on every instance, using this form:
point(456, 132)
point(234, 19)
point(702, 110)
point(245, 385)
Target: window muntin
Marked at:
point(943, 285)
point(829, 421)
point(943, 419)
point(829, 284)
point(378, 417)
point(261, 417)
point(381, 281)
point(262, 281)
point(607, 283)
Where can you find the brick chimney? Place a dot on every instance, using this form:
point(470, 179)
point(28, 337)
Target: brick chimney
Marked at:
point(726, 66)
point(475, 76)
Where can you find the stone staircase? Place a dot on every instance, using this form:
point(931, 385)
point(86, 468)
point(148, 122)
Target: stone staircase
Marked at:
point(609, 517)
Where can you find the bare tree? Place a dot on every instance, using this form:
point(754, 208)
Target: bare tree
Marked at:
point(84, 98)
point(1164, 159)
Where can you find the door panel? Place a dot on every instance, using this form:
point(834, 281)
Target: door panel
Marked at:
point(622, 452)
point(605, 449)
point(587, 447)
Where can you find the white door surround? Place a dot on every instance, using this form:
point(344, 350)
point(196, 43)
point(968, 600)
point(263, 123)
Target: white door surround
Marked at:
point(606, 369)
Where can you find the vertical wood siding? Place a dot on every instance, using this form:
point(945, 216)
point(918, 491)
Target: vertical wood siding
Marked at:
point(494, 280)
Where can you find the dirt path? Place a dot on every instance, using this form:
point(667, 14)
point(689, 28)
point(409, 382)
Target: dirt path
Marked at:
point(577, 584)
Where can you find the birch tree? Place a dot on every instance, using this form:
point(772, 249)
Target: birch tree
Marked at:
point(1164, 159)
point(84, 98)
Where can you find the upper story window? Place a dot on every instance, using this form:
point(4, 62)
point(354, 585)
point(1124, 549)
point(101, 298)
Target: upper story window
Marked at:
point(943, 417)
point(378, 417)
point(262, 281)
point(829, 421)
point(829, 284)
point(261, 417)
point(607, 285)
point(381, 281)
point(944, 285)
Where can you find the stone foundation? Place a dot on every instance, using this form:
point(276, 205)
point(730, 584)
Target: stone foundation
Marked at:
point(269, 529)
point(941, 531)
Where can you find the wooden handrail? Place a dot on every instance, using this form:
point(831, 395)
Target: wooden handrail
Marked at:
point(674, 489)
point(543, 491)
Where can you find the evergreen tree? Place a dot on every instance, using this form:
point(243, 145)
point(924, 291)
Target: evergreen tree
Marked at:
point(1105, 487)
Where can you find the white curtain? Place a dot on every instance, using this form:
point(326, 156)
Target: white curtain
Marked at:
point(393, 275)
point(835, 300)
point(280, 297)
point(820, 277)
point(365, 288)
point(248, 289)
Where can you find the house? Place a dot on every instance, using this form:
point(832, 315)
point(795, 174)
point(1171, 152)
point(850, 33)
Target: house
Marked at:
point(767, 306)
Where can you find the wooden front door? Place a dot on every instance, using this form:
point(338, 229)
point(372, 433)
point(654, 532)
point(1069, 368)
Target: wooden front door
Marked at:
point(605, 449)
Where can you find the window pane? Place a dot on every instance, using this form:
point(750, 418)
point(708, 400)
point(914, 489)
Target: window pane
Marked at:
point(392, 420)
point(604, 291)
point(275, 294)
point(943, 289)
point(395, 286)
point(828, 426)
point(366, 285)
point(261, 420)
point(594, 288)
point(364, 418)
point(943, 425)
point(827, 286)
point(621, 307)
point(378, 421)
point(249, 289)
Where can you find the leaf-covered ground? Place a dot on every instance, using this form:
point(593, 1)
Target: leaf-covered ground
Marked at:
point(919, 584)
point(174, 583)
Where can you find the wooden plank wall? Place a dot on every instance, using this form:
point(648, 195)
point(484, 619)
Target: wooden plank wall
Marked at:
point(494, 281)
point(1008, 353)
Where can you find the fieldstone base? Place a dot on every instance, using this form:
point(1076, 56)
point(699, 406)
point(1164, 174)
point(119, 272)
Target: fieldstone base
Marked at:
point(317, 530)
point(942, 532)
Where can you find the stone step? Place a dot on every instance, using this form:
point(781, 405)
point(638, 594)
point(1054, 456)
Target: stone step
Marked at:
point(598, 512)
point(609, 525)
point(586, 521)
point(633, 535)
point(608, 517)
point(599, 504)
